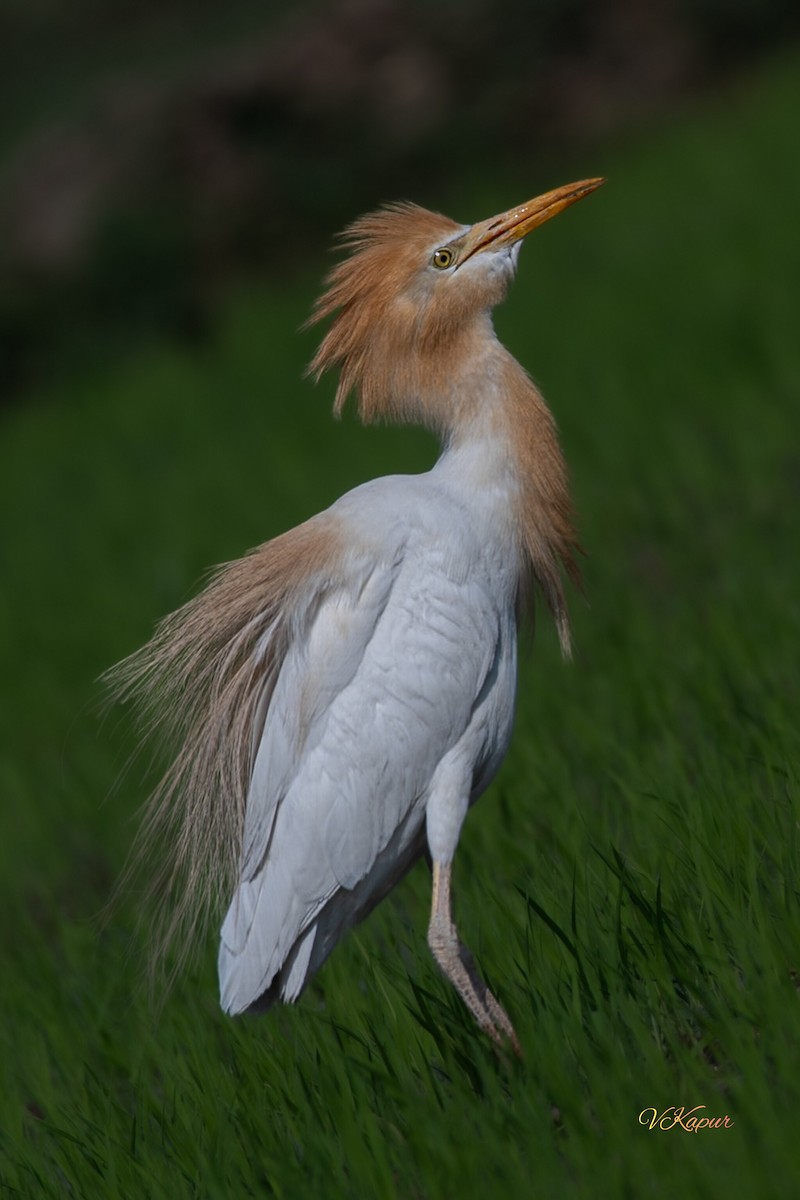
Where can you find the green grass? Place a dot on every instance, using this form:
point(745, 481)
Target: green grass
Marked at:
point(629, 883)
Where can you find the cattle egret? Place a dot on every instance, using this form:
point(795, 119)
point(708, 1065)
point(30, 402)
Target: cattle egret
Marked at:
point(343, 694)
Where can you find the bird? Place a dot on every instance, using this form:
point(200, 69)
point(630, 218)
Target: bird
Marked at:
point(338, 698)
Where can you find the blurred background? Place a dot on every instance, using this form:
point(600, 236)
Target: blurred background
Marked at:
point(171, 177)
point(172, 174)
point(153, 152)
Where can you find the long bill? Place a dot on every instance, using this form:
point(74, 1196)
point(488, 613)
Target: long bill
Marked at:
point(513, 225)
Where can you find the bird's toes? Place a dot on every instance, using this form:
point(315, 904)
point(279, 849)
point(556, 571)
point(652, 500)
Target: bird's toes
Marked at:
point(498, 1023)
point(502, 1023)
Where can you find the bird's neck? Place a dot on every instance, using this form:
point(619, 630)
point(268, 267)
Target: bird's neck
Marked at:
point(501, 452)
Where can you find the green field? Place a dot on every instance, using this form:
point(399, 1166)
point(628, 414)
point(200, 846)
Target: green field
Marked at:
point(629, 883)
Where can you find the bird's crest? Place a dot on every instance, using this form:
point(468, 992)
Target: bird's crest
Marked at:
point(371, 293)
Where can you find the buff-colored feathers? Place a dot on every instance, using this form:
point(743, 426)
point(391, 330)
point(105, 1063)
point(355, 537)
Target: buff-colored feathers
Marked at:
point(204, 681)
point(368, 293)
point(546, 523)
point(406, 341)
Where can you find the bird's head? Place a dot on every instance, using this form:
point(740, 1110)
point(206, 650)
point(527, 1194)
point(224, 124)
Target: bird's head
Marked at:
point(412, 301)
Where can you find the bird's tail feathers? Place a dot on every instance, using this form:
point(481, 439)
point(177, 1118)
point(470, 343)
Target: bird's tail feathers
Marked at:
point(202, 684)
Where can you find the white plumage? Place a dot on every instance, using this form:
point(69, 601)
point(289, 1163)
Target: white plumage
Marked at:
point(394, 703)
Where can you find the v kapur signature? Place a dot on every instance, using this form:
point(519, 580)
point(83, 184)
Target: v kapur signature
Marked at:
point(682, 1118)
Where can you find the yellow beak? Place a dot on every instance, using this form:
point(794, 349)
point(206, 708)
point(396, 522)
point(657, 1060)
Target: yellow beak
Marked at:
point(513, 225)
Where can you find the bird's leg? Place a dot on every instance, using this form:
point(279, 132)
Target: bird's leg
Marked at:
point(459, 966)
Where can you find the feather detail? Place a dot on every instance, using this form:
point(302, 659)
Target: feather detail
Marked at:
point(381, 319)
point(549, 542)
point(204, 683)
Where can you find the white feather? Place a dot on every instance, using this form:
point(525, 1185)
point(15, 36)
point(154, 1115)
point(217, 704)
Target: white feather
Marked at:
point(395, 697)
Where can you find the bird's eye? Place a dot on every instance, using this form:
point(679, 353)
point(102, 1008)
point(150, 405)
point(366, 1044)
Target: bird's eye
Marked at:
point(442, 258)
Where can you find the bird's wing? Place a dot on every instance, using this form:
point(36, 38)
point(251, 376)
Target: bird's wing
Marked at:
point(374, 689)
point(322, 659)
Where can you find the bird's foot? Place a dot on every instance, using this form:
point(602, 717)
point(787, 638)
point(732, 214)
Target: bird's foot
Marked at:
point(499, 1027)
point(459, 966)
